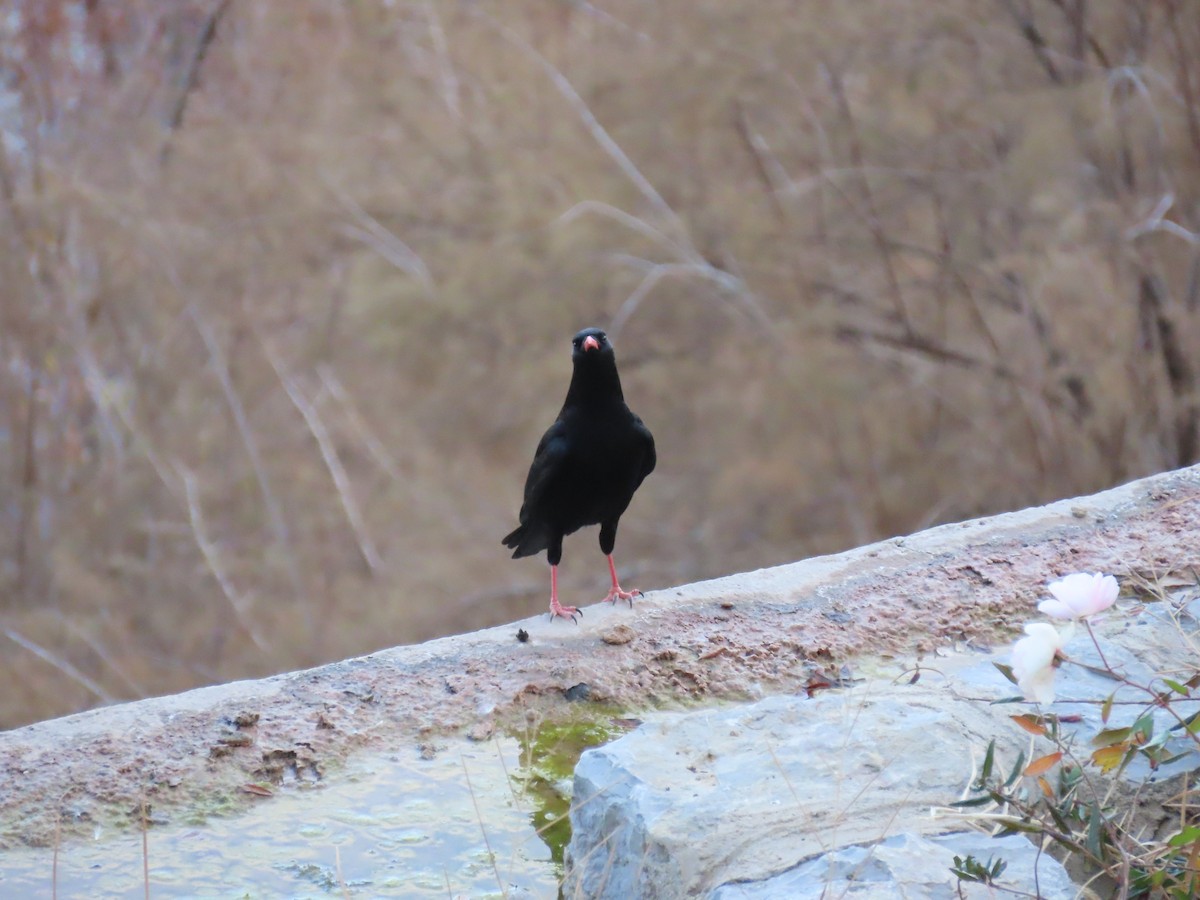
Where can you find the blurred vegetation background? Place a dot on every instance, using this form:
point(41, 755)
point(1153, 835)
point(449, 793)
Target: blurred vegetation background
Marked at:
point(288, 290)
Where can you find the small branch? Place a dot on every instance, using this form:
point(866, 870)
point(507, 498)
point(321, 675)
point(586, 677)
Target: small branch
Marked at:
point(371, 232)
point(221, 370)
point(1037, 43)
point(333, 463)
point(1191, 102)
point(598, 132)
point(59, 663)
point(632, 222)
point(27, 507)
point(136, 689)
point(657, 271)
point(1156, 222)
point(449, 77)
point(682, 243)
point(874, 221)
point(922, 346)
point(417, 488)
point(374, 446)
point(192, 73)
point(213, 559)
point(1076, 17)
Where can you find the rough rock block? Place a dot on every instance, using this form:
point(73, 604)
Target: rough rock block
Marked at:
point(693, 801)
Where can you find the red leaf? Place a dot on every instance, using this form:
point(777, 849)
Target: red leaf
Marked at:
point(1047, 762)
point(1030, 723)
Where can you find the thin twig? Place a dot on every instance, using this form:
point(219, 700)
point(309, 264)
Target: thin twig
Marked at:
point(418, 488)
point(386, 243)
point(337, 472)
point(59, 663)
point(221, 369)
point(692, 258)
point(370, 440)
point(192, 74)
point(102, 652)
point(873, 219)
point(337, 861)
point(1156, 221)
point(145, 848)
point(449, 78)
point(598, 132)
point(479, 818)
point(213, 559)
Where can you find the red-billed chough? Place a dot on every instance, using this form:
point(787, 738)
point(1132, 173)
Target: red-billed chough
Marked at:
point(586, 468)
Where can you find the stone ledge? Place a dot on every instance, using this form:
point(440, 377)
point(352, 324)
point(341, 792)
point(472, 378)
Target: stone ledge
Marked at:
point(737, 636)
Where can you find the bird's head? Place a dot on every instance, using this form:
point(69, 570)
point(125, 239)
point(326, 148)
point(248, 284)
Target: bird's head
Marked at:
point(590, 344)
point(594, 379)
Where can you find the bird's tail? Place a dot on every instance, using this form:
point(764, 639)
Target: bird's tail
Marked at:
point(525, 541)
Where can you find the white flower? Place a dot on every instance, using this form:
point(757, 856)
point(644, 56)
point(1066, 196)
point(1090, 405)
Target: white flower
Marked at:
point(1033, 659)
point(1080, 595)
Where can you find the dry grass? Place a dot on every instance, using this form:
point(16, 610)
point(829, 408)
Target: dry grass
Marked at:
point(288, 291)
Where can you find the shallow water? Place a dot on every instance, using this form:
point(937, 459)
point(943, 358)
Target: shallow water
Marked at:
point(385, 826)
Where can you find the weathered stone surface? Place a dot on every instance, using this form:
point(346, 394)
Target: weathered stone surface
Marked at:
point(694, 800)
point(733, 637)
point(911, 867)
point(751, 796)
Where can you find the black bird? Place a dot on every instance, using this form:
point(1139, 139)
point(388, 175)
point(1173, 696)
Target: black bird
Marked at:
point(586, 468)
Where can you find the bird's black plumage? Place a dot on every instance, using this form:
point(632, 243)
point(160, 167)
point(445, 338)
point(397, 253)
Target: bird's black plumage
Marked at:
point(588, 463)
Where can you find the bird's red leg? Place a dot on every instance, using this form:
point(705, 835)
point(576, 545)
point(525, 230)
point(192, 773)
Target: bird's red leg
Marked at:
point(615, 593)
point(567, 612)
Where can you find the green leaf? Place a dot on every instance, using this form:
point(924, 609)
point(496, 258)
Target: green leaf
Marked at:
point(1175, 757)
point(988, 759)
point(1189, 835)
point(1176, 687)
point(971, 869)
point(1006, 671)
point(1156, 742)
point(1094, 833)
point(1106, 709)
point(1143, 728)
point(1071, 775)
point(974, 801)
point(1022, 827)
point(1017, 769)
point(1059, 820)
point(1110, 736)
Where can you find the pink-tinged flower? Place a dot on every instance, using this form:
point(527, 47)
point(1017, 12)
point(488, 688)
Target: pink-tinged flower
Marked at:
point(1033, 661)
point(1080, 595)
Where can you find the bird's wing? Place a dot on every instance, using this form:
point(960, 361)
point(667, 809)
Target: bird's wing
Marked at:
point(547, 462)
point(650, 458)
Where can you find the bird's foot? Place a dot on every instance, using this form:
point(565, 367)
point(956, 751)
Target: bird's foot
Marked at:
point(566, 612)
point(617, 594)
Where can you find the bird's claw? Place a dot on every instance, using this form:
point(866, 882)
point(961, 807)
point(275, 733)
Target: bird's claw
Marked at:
point(617, 594)
point(565, 612)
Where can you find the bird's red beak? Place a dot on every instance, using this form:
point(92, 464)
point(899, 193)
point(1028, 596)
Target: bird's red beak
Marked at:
point(590, 343)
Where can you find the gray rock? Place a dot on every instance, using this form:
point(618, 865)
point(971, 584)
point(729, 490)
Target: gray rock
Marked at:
point(911, 867)
point(692, 801)
point(790, 796)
